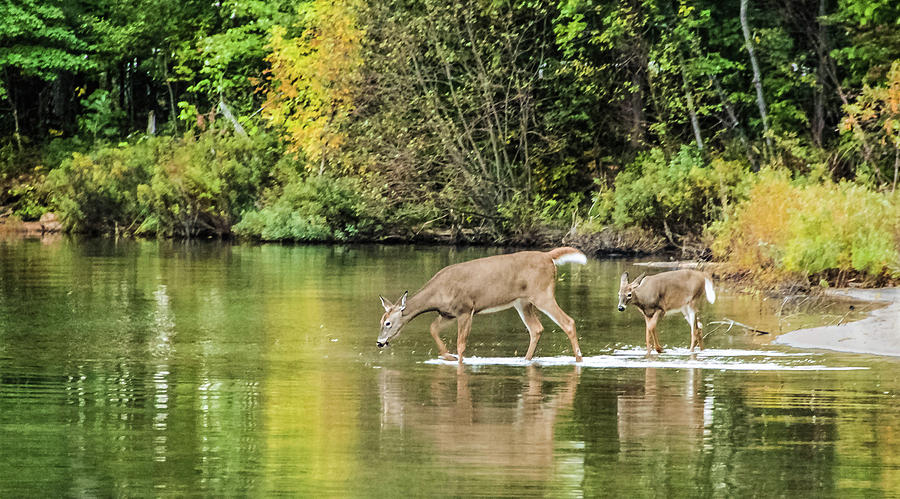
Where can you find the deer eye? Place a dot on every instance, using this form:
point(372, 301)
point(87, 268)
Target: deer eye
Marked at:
point(387, 323)
point(628, 295)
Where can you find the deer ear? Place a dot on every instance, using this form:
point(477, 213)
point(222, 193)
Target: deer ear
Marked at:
point(624, 280)
point(384, 303)
point(403, 300)
point(640, 279)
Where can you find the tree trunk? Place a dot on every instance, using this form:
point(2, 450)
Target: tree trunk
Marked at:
point(896, 167)
point(16, 120)
point(757, 78)
point(238, 129)
point(173, 113)
point(818, 122)
point(15, 113)
point(636, 106)
point(733, 122)
point(695, 123)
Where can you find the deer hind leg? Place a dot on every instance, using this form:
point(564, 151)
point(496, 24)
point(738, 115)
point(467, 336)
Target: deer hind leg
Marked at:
point(690, 314)
point(549, 306)
point(698, 329)
point(528, 314)
point(464, 325)
point(440, 322)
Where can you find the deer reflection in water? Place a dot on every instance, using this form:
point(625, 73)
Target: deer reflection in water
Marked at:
point(679, 407)
point(468, 426)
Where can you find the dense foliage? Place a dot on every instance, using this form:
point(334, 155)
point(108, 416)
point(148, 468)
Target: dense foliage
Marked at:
point(321, 121)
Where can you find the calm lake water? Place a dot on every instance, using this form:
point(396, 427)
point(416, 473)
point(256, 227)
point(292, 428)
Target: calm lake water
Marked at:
point(136, 368)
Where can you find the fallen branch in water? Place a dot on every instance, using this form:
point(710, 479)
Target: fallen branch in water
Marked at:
point(731, 323)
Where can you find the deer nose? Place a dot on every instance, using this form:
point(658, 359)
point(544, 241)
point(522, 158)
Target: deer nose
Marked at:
point(621, 308)
point(381, 345)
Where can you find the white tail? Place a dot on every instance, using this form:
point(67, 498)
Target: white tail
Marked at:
point(525, 281)
point(659, 294)
point(710, 292)
point(578, 258)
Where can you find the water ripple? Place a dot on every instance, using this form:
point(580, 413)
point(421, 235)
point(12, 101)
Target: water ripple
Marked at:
point(676, 358)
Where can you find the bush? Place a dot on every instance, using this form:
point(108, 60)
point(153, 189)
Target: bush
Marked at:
point(316, 208)
point(682, 192)
point(190, 186)
point(810, 228)
point(97, 192)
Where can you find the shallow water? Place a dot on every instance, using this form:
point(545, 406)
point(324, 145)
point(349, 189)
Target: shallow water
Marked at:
point(146, 368)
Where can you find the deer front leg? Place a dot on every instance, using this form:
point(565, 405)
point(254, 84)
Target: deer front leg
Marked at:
point(652, 337)
point(648, 335)
point(439, 323)
point(464, 325)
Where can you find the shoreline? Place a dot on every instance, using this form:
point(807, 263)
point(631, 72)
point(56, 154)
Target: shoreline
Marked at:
point(877, 334)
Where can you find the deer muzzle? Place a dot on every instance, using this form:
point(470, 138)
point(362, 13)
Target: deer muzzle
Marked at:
point(381, 344)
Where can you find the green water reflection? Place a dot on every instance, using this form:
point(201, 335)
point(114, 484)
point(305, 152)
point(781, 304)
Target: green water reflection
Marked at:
point(158, 368)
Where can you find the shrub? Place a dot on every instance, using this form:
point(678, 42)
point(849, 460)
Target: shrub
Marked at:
point(201, 185)
point(190, 186)
point(97, 192)
point(681, 192)
point(315, 208)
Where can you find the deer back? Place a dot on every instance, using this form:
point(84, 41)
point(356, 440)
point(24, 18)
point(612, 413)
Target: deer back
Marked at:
point(669, 290)
point(492, 281)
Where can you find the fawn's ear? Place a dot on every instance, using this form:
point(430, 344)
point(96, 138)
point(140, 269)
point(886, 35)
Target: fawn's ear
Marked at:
point(403, 301)
point(384, 303)
point(624, 280)
point(640, 279)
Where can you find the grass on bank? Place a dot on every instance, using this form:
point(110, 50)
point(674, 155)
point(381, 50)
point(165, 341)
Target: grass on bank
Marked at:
point(825, 232)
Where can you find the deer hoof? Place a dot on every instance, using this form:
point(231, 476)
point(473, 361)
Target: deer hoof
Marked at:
point(449, 356)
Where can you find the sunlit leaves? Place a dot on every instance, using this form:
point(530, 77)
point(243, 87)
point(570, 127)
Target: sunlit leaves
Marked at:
point(314, 77)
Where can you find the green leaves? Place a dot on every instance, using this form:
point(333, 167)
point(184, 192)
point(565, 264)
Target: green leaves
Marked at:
point(36, 41)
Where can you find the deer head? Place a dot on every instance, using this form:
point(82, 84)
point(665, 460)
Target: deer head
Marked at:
point(392, 320)
point(626, 289)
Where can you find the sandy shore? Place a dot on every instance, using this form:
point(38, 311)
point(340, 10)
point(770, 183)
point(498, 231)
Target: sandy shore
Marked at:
point(878, 334)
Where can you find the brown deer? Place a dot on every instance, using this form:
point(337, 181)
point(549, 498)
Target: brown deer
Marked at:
point(659, 294)
point(525, 281)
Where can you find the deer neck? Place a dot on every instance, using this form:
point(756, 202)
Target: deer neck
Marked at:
point(643, 298)
point(421, 302)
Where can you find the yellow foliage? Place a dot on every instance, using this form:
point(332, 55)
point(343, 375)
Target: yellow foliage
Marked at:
point(787, 226)
point(877, 109)
point(313, 78)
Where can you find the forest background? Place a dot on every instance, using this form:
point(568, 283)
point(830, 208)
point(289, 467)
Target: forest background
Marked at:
point(764, 134)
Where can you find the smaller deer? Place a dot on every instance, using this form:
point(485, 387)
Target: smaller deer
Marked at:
point(525, 281)
point(659, 294)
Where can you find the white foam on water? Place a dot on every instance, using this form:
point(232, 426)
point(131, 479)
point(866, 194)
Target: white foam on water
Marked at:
point(676, 358)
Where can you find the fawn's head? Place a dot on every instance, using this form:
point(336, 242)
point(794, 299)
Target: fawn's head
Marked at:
point(392, 320)
point(626, 289)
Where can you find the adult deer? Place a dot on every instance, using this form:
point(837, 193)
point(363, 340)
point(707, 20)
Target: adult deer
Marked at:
point(659, 294)
point(525, 281)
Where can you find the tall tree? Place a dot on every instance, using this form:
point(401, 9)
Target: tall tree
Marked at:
point(757, 76)
point(36, 43)
point(314, 78)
